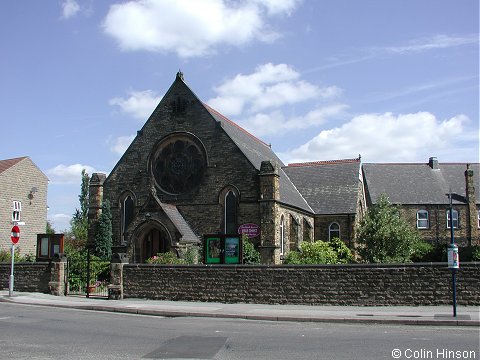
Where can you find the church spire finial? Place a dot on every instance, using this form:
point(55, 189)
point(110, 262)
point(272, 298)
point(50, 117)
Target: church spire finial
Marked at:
point(180, 75)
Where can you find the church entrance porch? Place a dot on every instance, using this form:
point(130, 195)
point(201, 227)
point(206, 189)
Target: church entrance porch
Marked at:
point(151, 241)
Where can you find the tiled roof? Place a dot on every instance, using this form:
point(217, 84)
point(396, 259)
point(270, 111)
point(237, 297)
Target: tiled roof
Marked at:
point(257, 151)
point(8, 163)
point(418, 183)
point(330, 187)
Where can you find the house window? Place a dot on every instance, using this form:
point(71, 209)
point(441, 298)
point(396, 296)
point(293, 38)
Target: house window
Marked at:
point(455, 219)
point(230, 213)
point(478, 219)
point(422, 219)
point(17, 211)
point(333, 231)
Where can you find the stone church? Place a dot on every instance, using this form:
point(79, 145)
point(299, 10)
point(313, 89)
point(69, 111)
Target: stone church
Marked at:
point(190, 171)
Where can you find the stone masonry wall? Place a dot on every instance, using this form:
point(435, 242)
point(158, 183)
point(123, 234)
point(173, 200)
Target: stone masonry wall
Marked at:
point(409, 284)
point(28, 277)
point(16, 183)
point(437, 231)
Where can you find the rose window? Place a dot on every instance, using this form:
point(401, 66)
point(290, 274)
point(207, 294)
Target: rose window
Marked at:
point(178, 164)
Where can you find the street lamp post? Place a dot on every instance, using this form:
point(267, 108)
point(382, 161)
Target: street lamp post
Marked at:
point(453, 259)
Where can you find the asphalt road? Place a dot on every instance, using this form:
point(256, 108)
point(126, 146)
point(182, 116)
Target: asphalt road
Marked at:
point(34, 332)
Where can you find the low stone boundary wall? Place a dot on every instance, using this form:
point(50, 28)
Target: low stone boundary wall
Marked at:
point(28, 277)
point(405, 284)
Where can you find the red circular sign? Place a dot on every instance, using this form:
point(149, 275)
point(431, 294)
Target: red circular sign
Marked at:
point(15, 234)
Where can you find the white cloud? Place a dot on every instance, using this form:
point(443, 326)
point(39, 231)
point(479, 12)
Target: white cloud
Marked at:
point(121, 144)
point(434, 42)
point(383, 137)
point(69, 9)
point(270, 86)
point(275, 7)
point(275, 123)
point(139, 104)
point(192, 28)
point(60, 222)
point(68, 174)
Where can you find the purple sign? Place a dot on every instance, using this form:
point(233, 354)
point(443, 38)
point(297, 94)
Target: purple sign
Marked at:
point(251, 230)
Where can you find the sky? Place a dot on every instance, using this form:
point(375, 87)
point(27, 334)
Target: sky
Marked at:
point(392, 81)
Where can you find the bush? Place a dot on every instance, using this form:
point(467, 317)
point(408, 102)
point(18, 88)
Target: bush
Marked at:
point(6, 257)
point(168, 258)
point(476, 254)
point(321, 252)
point(423, 252)
point(344, 254)
point(250, 254)
point(192, 254)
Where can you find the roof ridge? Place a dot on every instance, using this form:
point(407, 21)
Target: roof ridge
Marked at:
point(325, 162)
point(421, 164)
point(236, 125)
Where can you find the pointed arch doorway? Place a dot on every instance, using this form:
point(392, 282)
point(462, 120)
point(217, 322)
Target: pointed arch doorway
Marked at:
point(152, 239)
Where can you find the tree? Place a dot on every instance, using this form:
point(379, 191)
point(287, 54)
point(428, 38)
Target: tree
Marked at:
point(49, 228)
point(79, 222)
point(384, 236)
point(103, 237)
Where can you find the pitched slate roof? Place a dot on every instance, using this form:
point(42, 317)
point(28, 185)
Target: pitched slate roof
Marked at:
point(257, 151)
point(179, 221)
point(418, 183)
point(8, 163)
point(330, 187)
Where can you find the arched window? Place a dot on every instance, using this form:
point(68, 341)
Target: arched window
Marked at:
point(307, 229)
point(455, 219)
point(333, 231)
point(422, 219)
point(127, 215)
point(282, 235)
point(230, 213)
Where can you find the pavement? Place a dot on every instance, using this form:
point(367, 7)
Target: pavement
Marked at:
point(402, 315)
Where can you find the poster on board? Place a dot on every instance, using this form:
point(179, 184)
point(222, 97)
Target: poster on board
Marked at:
point(222, 249)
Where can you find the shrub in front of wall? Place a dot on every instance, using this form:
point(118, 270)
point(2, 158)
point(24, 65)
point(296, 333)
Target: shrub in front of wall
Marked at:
point(168, 258)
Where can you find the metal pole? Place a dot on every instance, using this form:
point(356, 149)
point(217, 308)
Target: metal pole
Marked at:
point(88, 272)
point(454, 271)
point(10, 287)
point(454, 286)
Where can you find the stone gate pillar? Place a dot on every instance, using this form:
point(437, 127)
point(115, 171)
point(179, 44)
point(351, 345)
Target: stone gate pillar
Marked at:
point(95, 196)
point(115, 289)
point(58, 282)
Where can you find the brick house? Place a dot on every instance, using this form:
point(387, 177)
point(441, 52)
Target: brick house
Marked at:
point(191, 171)
point(422, 192)
point(23, 199)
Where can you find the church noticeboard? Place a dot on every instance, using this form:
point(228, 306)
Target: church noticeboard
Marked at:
point(232, 250)
point(213, 250)
point(222, 249)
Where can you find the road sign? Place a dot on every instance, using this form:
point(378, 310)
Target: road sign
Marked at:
point(15, 234)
